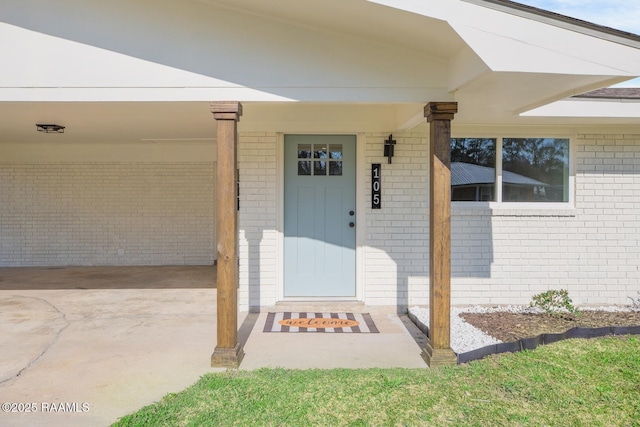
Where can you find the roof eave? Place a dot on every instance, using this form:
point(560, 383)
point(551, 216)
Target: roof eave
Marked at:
point(562, 21)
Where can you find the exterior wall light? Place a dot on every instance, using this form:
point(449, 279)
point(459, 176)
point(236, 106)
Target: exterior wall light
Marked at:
point(49, 128)
point(389, 147)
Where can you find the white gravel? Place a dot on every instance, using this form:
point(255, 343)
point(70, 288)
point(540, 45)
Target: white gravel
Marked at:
point(465, 337)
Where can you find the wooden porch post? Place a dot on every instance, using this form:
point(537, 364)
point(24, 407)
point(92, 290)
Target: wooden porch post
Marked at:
point(228, 351)
point(438, 351)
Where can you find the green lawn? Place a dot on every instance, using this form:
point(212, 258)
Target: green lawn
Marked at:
point(570, 383)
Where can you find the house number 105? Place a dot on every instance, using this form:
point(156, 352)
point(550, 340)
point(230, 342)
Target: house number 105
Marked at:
point(376, 203)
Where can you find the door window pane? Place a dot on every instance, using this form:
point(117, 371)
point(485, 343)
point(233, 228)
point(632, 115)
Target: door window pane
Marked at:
point(320, 168)
point(304, 151)
point(304, 168)
point(335, 151)
point(335, 168)
point(323, 159)
point(319, 151)
point(535, 170)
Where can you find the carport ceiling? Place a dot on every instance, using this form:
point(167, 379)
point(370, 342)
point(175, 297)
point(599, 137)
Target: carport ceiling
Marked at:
point(134, 122)
point(109, 122)
point(106, 122)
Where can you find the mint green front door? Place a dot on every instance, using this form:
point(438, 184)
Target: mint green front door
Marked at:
point(319, 216)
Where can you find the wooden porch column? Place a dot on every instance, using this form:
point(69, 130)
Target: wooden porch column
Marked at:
point(438, 351)
point(228, 351)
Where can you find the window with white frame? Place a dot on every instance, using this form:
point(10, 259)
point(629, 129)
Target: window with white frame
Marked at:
point(510, 170)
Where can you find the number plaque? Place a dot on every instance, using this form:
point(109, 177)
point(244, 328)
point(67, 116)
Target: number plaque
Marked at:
point(376, 186)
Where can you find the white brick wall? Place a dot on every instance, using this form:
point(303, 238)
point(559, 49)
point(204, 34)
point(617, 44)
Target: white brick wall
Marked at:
point(502, 256)
point(397, 236)
point(96, 213)
point(593, 250)
point(257, 221)
point(507, 255)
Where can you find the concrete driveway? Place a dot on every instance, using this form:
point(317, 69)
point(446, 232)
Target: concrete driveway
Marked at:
point(86, 346)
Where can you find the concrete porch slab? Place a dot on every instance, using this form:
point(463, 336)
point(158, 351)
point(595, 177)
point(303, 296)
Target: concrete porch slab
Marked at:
point(120, 348)
point(397, 344)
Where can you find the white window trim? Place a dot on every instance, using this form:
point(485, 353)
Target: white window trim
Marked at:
point(500, 208)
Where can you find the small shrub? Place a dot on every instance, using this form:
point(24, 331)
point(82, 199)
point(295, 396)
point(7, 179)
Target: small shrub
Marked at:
point(554, 302)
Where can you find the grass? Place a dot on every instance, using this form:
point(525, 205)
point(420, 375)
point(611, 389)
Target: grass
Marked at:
point(570, 383)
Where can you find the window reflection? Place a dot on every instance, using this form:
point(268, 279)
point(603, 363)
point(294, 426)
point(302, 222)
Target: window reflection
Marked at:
point(335, 168)
point(335, 151)
point(473, 173)
point(319, 167)
point(304, 151)
point(320, 151)
point(535, 170)
point(304, 168)
point(326, 159)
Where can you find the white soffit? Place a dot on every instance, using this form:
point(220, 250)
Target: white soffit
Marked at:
point(363, 19)
point(35, 70)
point(508, 94)
point(595, 108)
point(497, 64)
point(163, 51)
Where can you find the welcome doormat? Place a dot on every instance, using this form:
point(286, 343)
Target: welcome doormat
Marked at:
point(320, 322)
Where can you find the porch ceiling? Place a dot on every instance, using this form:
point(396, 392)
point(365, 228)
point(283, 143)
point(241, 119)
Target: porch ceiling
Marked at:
point(192, 122)
point(186, 122)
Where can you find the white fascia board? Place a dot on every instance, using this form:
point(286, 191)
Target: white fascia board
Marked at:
point(242, 94)
point(509, 43)
point(603, 108)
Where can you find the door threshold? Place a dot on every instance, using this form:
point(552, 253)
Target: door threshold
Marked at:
point(319, 305)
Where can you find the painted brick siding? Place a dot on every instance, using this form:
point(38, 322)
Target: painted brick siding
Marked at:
point(258, 219)
point(97, 213)
point(608, 199)
point(106, 214)
point(509, 255)
point(396, 252)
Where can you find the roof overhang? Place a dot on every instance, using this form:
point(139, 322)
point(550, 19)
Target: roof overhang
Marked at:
point(356, 64)
point(610, 104)
point(518, 58)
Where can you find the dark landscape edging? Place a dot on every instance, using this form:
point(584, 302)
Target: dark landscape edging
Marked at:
point(424, 328)
point(533, 343)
